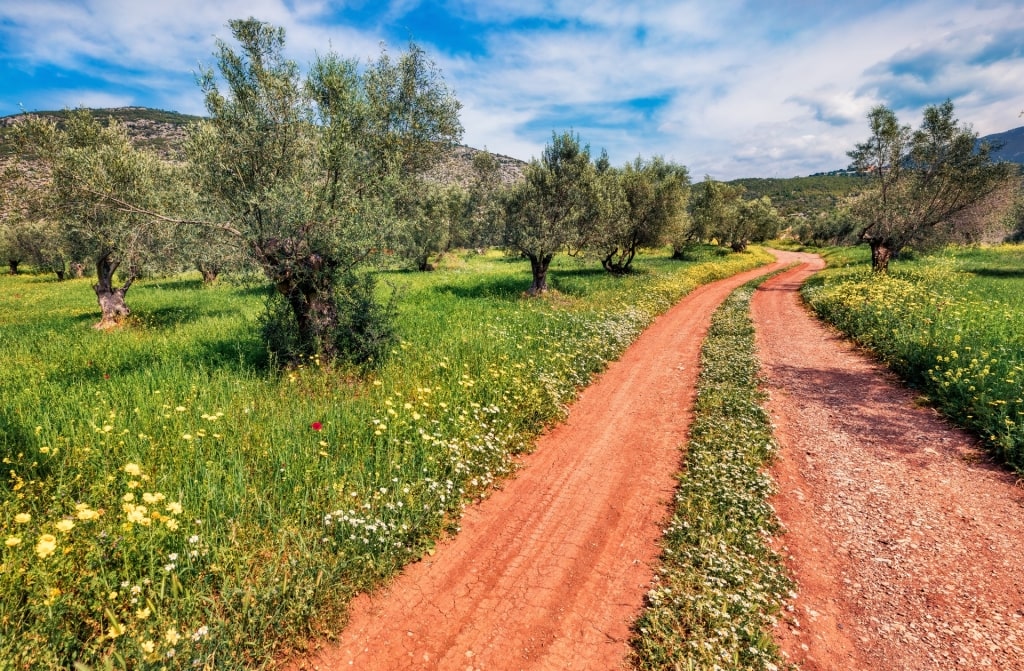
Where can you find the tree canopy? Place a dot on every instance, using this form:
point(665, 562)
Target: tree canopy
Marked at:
point(922, 179)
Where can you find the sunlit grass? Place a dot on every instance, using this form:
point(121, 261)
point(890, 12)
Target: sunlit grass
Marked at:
point(235, 509)
point(951, 323)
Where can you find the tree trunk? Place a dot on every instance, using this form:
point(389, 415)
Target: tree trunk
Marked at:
point(113, 308)
point(60, 274)
point(881, 254)
point(539, 268)
point(739, 245)
point(423, 263)
point(78, 270)
point(13, 264)
point(316, 315)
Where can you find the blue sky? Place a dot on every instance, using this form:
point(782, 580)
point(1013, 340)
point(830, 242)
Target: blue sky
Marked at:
point(728, 88)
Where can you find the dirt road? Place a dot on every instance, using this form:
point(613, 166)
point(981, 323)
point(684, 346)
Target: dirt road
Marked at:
point(905, 543)
point(551, 570)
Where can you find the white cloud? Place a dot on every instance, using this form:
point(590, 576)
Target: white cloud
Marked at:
point(746, 88)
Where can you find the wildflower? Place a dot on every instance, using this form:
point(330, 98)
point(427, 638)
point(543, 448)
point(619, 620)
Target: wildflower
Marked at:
point(128, 498)
point(180, 408)
point(22, 518)
point(148, 647)
point(149, 498)
point(193, 539)
point(186, 436)
point(12, 541)
point(200, 633)
point(46, 546)
point(87, 514)
point(174, 508)
point(143, 614)
point(172, 636)
point(132, 469)
point(316, 426)
point(171, 524)
point(115, 630)
point(65, 526)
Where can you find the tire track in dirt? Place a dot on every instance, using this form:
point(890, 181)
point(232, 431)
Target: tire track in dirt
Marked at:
point(551, 570)
point(904, 540)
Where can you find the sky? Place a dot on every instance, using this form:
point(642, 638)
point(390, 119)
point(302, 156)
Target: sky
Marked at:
point(728, 88)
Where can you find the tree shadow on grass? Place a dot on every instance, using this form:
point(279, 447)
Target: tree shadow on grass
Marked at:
point(503, 288)
point(997, 273)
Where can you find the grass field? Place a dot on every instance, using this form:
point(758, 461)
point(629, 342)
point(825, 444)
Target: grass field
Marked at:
point(952, 324)
point(170, 502)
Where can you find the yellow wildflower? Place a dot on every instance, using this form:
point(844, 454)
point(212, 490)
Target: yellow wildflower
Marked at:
point(132, 469)
point(171, 524)
point(87, 514)
point(46, 546)
point(174, 508)
point(12, 541)
point(22, 518)
point(172, 636)
point(65, 526)
point(143, 614)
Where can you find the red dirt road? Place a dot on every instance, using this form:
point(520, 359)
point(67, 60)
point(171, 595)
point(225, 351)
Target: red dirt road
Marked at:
point(550, 571)
point(905, 543)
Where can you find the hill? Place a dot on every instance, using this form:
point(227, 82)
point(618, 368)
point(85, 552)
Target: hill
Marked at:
point(804, 196)
point(164, 132)
point(1009, 145)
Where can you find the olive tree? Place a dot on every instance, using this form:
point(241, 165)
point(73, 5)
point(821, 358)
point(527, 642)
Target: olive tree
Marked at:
point(641, 205)
point(553, 208)
point(922, 180)
point(102, 193)
point(304, 171)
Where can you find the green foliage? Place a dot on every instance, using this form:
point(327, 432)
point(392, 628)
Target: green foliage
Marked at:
point(642, 205)
point(296, 491)
point(481, 224)
point(922, 180)
point(718, 211)
point(804, 198)
point(316, 176)
point(102, 194)
point(949, 324)
point(720, 584)
point(554, 208)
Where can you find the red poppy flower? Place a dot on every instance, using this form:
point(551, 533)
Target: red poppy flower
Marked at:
point(316, 426)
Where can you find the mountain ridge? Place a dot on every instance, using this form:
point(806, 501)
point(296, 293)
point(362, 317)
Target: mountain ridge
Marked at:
point(164, 131)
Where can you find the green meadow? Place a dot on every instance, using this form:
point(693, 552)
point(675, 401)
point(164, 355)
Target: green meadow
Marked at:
point(951, 323)
point(170, 501)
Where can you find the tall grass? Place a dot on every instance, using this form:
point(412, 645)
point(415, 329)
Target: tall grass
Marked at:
point(952, 324)
point(169, 501)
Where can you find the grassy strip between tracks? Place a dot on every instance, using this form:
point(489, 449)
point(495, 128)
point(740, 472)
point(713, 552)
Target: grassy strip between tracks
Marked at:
point(720, 585)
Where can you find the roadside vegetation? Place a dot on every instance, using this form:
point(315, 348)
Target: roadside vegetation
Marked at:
point(720, 585)
point(172, 502)
point(952, 324)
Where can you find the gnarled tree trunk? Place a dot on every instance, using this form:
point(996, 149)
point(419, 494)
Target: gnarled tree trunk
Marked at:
point(113, 308)
point(539, 267)
point(881, 254)
point(209, 272)
point(13, 265)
